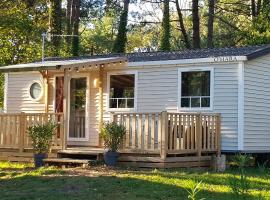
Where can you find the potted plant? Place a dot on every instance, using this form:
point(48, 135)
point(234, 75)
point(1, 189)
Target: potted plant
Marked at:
point(112, 134)
point(41, 135)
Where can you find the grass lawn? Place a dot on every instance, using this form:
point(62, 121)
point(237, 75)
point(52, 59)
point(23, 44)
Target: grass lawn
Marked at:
point(18, 181)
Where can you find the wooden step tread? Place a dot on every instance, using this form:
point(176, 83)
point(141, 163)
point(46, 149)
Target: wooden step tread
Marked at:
point(67, 160)
point(80, 152)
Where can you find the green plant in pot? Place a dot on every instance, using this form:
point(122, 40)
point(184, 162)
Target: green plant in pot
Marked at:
point(41, 135)
point(112, 134)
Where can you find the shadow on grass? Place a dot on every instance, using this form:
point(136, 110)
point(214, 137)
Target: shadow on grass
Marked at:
point(211, 178)
point(97, 188)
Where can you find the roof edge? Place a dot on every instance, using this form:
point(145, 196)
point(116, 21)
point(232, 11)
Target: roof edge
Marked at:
point(219, 59)
point(258, 53)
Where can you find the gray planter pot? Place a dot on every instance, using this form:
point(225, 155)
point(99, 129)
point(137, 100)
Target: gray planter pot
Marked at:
point(111, 158)
point(38, 158)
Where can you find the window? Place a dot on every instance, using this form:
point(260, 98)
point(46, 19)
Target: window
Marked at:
point(35, 91)
point(122, 91)
point(195, 89)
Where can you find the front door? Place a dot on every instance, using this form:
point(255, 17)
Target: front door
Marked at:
point(78, 104)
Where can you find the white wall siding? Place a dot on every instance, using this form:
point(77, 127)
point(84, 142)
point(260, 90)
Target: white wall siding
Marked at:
point(257, 104)
point(158, 91)
point(18, 98)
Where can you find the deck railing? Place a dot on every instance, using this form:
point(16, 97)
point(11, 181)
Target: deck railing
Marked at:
point(143, 131)
point(170, 133)
point(13, 132)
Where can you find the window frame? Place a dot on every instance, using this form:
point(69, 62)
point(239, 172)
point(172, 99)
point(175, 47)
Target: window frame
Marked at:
point(41, 92)
point(109, 74)
point(195, 69)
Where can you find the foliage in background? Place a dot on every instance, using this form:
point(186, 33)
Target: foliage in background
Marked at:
point(103, 26)
point(41, 135)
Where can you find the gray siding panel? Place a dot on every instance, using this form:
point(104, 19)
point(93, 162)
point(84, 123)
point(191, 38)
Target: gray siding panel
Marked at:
point(256, 104)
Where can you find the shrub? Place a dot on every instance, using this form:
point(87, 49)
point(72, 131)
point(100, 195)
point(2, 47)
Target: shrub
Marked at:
point(113, 135)
point(41, 135)
point(194, 191)
point(241, 186)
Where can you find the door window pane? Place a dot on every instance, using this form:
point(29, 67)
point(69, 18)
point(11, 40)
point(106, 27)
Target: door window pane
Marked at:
point(78, 88)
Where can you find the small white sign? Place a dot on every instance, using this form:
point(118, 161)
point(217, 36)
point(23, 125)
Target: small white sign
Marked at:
point(225, 59)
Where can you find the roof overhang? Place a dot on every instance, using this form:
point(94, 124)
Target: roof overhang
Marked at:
point(62, 64)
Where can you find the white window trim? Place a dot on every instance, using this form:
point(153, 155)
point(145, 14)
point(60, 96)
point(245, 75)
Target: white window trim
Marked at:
point(109, 74)
point(196, 69)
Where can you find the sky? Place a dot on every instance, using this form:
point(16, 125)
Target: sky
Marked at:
point(148, 7)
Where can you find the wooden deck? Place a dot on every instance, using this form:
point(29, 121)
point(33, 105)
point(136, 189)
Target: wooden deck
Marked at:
point(160, 140)
point(15, 143)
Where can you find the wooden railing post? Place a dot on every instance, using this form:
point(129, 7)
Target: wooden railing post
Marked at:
point(164, 134)
point(199, 134)
point(65, 108)
point(218, 135)
point(113, 117)
point(22, 132)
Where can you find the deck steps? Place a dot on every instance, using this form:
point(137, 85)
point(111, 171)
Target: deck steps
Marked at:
point(83, 157)
point(69, 162)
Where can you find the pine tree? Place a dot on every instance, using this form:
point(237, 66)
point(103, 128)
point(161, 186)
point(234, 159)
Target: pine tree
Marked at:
point(166, 29)
point(121, 38)
point(196, 24)
point(55, 25)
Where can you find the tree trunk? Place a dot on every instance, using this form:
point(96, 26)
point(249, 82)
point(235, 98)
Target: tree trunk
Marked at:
point(55, 25)
point(210, 24)
point(259, 5)
point(253, 8)
point(165, 40)
point(196, 24)
point(75, 38)
point(69, 21)
point(182, 26)
point(121, 38)
point(108, 5)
